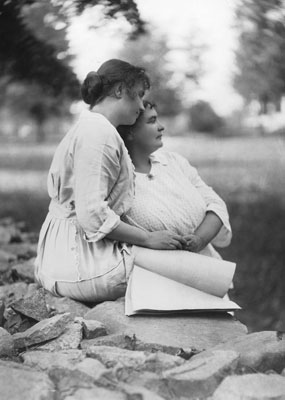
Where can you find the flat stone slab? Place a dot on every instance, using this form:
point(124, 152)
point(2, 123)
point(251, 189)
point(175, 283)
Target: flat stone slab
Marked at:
point(33, 306)
point(251, 387)
point(259, 351)
point(63, 305)
point(44, 330)
point(199, 378)
point(202, 331)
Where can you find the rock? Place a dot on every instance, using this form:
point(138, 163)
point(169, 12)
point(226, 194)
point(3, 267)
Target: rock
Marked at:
point(149, 380)
point(112, 356)
point(158, 362)
point(97, 393)
point(251, 387)
point(6, 343)
point(34, 306)
point(138, 392)
point(127, 341)
point(41, 332)
point(132, 359)
point(16, 322)
point(69, 339)
point(63, 304)
point(201, 331)
point(95, 369)
point(19, 382)
point(69, 360)
point(198, 378)
point(46, 361)
point(68, 381)
point(93, 329)
point(66, 361)
point(121, 340)
point(259, 351)
point(13, 291)
point(25, 270)
point(5, 259)
point(23, 251)
point(32, 288)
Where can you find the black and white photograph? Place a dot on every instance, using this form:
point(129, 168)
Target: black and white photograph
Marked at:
point(142, 199)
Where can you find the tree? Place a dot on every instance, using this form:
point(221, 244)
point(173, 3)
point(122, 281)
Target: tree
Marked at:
point(203, 117)
point(29, 51)
point(35, 73)
point(150, 52)
point(260, 56)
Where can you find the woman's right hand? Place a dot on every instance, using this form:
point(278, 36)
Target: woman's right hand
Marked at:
point(164, 240)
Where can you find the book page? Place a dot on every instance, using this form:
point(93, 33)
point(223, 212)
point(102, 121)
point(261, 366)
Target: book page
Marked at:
point(148, 291)
point(208, 274)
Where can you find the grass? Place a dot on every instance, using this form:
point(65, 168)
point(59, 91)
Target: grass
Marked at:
point(247, 172)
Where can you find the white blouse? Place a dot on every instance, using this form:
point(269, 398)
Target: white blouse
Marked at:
point(91, 184)
point(174, 197)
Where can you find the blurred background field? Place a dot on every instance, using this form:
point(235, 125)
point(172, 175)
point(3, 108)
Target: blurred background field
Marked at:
point(217, 69)
point(247, 172)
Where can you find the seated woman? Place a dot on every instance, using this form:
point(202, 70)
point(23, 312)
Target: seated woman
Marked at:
point(169, 193)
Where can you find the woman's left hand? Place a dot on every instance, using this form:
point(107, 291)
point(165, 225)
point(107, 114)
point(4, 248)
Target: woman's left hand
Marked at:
point(194, 243)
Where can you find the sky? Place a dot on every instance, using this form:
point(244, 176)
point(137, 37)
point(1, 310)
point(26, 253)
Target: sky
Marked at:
point(211, 21)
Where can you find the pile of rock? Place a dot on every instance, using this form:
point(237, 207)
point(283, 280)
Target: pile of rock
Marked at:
point(57, 348)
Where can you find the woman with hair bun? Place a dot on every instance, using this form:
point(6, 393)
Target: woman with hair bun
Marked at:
point(85, 250)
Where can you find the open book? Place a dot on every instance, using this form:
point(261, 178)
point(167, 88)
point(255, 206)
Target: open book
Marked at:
point(201, 287)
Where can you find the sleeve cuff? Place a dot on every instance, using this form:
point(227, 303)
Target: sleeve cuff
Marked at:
point(224, 236)
point(108, 226)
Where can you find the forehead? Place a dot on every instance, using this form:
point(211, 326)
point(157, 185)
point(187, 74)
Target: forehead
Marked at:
point(149, 113)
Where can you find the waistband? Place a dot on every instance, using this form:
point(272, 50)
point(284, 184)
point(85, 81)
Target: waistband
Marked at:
point(60, 211)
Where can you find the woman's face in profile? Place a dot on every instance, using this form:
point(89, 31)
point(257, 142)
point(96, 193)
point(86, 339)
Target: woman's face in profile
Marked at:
point(147, 132)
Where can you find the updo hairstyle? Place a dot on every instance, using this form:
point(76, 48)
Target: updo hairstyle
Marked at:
point(126, 130)
point(100, 84)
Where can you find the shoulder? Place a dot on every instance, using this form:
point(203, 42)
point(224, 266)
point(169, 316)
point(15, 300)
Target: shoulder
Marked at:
point(96, 129)
point(170, 158)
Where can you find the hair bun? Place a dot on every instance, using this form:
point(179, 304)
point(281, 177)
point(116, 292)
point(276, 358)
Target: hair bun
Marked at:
point(91, 88)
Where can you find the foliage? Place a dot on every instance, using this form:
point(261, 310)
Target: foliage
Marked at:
point(35, 73)
point(153, 52)
point(26, 57)
point(260, 56)
point(34, 47)
point(150, 52)
point(203, 118)
point(117, 8)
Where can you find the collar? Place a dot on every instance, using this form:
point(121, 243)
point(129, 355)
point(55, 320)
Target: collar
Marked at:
point(158, 157)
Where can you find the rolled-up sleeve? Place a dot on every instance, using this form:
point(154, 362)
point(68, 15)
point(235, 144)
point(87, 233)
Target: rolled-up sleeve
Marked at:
point(215, 204)
point(96, 169)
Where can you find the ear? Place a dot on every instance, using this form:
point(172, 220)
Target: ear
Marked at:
point(118, 91)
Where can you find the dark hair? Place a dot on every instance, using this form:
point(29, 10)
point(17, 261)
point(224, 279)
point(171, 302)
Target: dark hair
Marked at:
point(100, 84)
point(125, 130)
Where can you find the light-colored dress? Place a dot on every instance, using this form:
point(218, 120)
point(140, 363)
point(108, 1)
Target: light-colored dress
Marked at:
point(174, 197)
point(91, 185)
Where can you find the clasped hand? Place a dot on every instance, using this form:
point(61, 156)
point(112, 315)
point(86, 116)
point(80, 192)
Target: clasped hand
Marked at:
point(194, 243)
point(165, 240)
